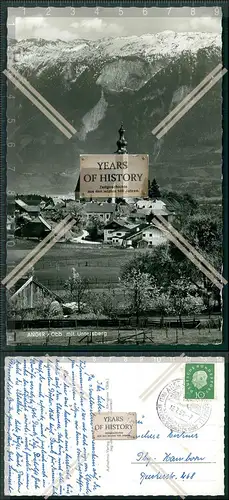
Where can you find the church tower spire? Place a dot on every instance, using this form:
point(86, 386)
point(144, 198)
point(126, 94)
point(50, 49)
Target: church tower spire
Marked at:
point(121, 142)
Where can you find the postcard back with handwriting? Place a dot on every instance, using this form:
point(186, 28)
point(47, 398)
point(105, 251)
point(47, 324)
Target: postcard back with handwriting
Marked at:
point(114, 426)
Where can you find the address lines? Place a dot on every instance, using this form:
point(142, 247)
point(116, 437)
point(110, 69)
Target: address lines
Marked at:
point(105, 12)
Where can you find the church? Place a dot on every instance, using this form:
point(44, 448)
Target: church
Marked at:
point(121, 149)
point(136, 228)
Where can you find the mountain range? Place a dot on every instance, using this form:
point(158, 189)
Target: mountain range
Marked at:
point(97, 84)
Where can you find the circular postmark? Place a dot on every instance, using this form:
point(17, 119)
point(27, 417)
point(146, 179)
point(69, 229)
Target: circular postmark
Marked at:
point(179, 414)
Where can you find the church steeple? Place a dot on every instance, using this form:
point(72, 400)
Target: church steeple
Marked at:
point(121, 142)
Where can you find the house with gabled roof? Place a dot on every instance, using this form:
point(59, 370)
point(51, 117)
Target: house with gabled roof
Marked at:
point(146, 207)
point(152, 236)
point(30, 292)
point(21, 207)
point(36, 227)
point(133, 237)
point(116, 228)
point(139, 216)
point(47, 205)
point(58, 201)
point(105, 211)
point(143, 234)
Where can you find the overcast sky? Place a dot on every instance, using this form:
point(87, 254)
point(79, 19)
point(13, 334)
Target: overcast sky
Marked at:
point(67, 24)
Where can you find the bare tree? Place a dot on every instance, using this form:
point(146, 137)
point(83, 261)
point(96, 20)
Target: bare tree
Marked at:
point(161, 301)
point(76, 287)
point(16, 308)
point(138, 286)
point(94, 304)
point(184, 298)
point(94, 227)
point(110, 306)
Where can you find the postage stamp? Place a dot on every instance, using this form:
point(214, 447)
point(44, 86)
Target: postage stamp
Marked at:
point(115, 425)
point(179, 414)
point(199, 381)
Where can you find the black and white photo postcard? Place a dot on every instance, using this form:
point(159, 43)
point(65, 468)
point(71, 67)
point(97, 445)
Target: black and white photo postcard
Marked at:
point(115, 176)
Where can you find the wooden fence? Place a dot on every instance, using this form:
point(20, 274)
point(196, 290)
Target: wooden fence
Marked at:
point(119, 323)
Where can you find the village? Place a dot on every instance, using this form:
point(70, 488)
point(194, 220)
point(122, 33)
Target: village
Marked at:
point(115, 267)
point(113, 221)
point(116, 240)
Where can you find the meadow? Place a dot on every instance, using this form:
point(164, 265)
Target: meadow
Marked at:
point(101, 265)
